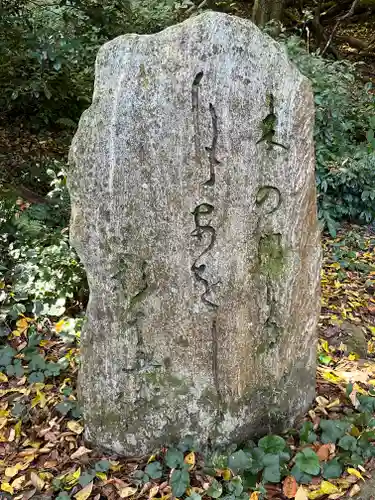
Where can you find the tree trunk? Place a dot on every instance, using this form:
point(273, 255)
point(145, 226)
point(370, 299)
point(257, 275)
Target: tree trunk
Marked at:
point(267, 10)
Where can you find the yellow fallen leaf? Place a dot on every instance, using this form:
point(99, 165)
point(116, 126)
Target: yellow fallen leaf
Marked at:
point(37, 481)
point(226, 474)
point(13, 471)
point(3, 377)
point(115, 466)
point(71, 479)
point(39, 399)
point(126, 492)
point(7, 487)
point(151, 459)
point(74, 426)
point(355, 472)
point(328, 488)
point(190, 460)
point(59, 325)
point(85, 492)
point(102, 476)
point(254, 495)
point(17, 483)
point(301, 494)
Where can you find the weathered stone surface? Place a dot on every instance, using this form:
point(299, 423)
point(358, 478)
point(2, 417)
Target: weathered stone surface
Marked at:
point(194, 213)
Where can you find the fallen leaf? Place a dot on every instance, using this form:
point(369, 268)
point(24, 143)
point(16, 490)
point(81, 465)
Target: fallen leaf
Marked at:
point(3, 377)
point(153, 492)
point(7, 487)
point(85, 492)
point(127, 492)
point(355, 472)
point(74, 426)
point(37, 481)
point(354, 490)
point(13, 471)
point(254, 495)
point(323, 452)
point(80, 453)
point(301, 494)
point(190, 460)
point(17, 483)
point(290, 487)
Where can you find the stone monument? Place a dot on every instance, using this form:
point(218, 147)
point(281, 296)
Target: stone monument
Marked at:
point(194, 214)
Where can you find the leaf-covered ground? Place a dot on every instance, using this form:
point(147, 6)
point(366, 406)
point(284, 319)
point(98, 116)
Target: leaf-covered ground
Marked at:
point(328, 455)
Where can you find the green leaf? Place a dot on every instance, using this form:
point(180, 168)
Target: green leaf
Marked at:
point(308, 461)
point(86, 478)
point(174, 458)
point(249, 479)
point(239, 461)
point(235, 486)
point(272, 444)
point(332, 469)
point(102, 466)
point(154, 470)
point(180, 480)
point(333, 430)
point(6, 355)
point(36, 377)
point(300, 476)
point(194, 496)
point(271, 471)
point(348, 443)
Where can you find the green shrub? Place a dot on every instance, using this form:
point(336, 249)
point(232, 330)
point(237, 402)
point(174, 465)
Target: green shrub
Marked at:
point(47, 52)
point(344, 125)
point(39, 272)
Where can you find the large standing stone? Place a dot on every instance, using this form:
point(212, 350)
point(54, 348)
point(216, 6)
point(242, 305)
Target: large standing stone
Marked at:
point(194, 213)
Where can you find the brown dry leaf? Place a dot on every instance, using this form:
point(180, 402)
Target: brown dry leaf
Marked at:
point(301, 494)
point(80, 453)
point(323, 452)
point(355, 489)
point(336, 496)
point(290, 487)
point(322, 401)
point(36, 481)
point(17, 483)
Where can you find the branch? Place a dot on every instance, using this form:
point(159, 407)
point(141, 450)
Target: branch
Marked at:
point(341, 18)
point(197, 7)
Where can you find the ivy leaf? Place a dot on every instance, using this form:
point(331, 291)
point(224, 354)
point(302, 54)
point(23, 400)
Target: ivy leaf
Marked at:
point(333, 430)
point(332, 469)
point(154, 470)
point(308, 461)
point(272, 444)
point(180, 480)
point(301, 477)
point(6, 355)
point(102, 465)
point(86, 478)
point(239, 461)
point(271, 471)
point(174, 458)
point(235, 486)
point(348, 443)
point(307, 435)
point(36, 377)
